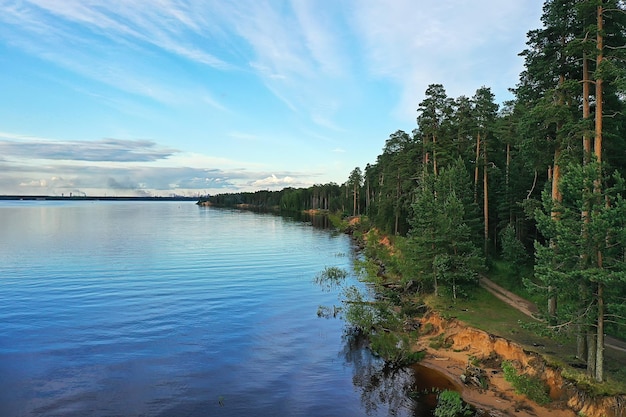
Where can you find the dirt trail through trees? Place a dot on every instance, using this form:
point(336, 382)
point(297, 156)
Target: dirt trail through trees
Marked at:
point(531, 310)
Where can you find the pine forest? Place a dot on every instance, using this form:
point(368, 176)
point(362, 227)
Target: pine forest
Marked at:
point(535, 183)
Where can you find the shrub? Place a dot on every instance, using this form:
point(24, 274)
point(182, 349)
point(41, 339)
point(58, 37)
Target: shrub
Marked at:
point(532, 387)
point(450, 404)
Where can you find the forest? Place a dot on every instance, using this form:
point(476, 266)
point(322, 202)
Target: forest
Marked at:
point(536, 182)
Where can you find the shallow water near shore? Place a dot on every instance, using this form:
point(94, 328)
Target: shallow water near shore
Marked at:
point(170, 309)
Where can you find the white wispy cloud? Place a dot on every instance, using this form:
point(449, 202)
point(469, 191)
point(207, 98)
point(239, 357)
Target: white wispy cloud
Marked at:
point(319, 32)
point(457, 43)
point(109, 149)
point(164, 24)
point(110, 42)
point(274, 182)
point(300, 50)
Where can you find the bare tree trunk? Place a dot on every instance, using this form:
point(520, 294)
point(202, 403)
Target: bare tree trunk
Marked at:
point(476, 168)
point(367, 197)
point(586, 109)
point(435, 154)
point(600, 344)
point(599, 375)
point(508, 182)
point(592, 344)
point(599, 98)
point(485, 199)
point(355, 197)
point(556, 196)
point(556, 177)
point(582, 345)
point(397, 208)
point(581, 342)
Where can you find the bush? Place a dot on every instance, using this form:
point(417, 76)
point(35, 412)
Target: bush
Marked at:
point(394, 349)
point(450, 404)
point(533, 388)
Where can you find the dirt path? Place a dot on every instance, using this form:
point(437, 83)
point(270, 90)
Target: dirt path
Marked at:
point(531, 310)
point(515, 301)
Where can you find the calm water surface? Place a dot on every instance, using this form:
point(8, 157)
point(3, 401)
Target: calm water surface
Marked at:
point(169, 309)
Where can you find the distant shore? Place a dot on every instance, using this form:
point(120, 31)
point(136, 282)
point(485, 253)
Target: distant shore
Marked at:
point(93, 198)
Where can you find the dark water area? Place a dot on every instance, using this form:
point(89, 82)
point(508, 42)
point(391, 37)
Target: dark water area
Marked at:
point(170, 309)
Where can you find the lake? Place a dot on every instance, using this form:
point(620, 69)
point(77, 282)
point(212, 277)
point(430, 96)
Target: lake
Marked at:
point(171, 309)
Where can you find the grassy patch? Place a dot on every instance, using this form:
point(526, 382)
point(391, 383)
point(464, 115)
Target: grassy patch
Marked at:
point(486, 312)
point(439, 342)
point(503, 274)
point(483, 311)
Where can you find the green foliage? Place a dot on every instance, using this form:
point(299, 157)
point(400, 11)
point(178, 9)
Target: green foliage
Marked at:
point(582, 251)
point(358, 312)
point(531, 387)
point(389, 183)
point(440, 243)
point(395, 348)
point(513, 251)
point(450, 404)
point(440, 342)
point(382, 327)
point(331, 277)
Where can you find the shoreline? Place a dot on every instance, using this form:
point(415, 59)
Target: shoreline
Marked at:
point(499, 397)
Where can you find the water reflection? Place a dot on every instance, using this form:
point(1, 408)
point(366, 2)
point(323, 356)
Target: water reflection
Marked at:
point(406, 391)
point(320, 221)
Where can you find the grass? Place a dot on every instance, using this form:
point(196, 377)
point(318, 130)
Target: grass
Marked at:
point(502, 274)
point(484, 311)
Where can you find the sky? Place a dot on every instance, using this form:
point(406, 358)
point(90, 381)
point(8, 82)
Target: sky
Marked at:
point(196, 97)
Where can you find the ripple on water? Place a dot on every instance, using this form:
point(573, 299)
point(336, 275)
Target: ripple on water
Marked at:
point(166, 309)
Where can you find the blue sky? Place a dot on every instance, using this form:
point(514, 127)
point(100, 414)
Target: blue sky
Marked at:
point(155, 97)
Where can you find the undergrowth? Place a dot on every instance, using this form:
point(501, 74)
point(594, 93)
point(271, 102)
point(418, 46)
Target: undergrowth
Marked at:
point(532, 387)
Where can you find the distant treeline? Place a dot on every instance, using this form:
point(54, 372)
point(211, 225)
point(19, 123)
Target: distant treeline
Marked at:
point(330, 197)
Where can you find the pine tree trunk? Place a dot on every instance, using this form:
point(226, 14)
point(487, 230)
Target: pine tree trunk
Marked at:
point(435, 154)
point(556, 197)
point(600, 337)
point(592, 344)
point(556, 177)
point(354, 193)
point(582, 345)
point(586, 109)
point(485, 199)
point(581, 342)
point(599, 371)
point(397, 205)
point(435, 276)
point(599, 98)
point(367, 198)
point(555, 174)
point(476, 169)
point(508, 182)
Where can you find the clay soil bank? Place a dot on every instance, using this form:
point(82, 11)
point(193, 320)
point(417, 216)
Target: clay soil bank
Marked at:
point(465, 344)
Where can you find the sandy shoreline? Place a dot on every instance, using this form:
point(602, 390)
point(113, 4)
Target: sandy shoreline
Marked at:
point(499, 398)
